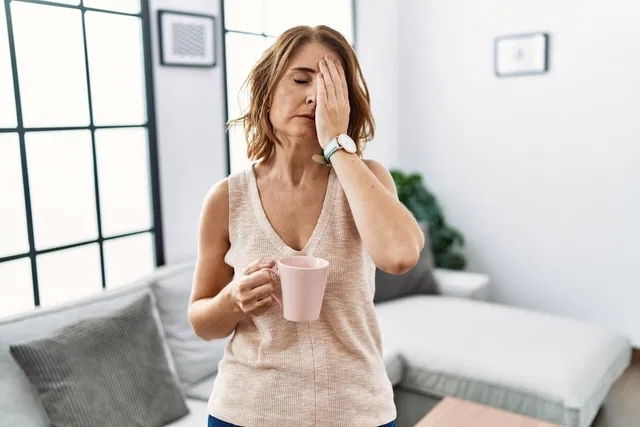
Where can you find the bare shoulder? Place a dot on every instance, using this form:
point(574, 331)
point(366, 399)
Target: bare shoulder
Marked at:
point(215, 208)
point(218, 192)
point(382, 173)
point(211, 272)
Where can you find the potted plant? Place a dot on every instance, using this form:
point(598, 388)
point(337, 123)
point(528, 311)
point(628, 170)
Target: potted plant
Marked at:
point(446, 242)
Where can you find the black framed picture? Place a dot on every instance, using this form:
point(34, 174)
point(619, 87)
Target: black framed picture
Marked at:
point(186, 39)
point(521, 54)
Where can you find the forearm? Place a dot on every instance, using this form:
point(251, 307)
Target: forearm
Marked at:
point(215, 317)
point(389, 232)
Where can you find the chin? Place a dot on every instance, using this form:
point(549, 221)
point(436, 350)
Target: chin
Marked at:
point(303, 131)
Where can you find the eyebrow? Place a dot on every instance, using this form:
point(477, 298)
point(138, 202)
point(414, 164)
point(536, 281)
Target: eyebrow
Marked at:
point(307, 69)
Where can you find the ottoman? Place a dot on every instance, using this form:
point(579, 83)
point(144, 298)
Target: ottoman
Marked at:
point(540, 365)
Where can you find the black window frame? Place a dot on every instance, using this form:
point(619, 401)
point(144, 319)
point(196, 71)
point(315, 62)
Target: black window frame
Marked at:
point(150, 126)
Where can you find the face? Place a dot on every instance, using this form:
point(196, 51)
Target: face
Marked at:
point(295, 95)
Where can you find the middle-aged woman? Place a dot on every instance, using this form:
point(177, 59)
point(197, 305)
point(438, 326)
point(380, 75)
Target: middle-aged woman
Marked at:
point(305, 90)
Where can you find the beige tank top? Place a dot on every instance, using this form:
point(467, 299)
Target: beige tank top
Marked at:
point(329, 372)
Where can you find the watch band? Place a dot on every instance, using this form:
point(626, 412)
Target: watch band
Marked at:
point(331, 148)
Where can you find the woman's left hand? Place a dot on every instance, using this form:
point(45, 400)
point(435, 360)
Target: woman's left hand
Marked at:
point(332, 108)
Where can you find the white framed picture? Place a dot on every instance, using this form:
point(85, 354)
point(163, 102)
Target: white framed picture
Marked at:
point(186, 39)
point(521, 54)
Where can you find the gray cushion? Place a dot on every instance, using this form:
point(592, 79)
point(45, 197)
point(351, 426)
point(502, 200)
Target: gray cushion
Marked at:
point(418, 280)
point(202, 389)
point(195, 358)
point(109, 371)
point(395, 366)
point(20, 404)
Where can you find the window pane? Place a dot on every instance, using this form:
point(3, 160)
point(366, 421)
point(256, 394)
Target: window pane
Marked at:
point(68, 274)
point(123, 176)
point(280, 15)
point(128, 258)
point(238, 149)
point(16, 287)
point(127, 6)
point(7, 100)
point(62, 187)
point(13, 226)
point(117, 91)
point(244, 15)
point(51, 65)
point(243, 51)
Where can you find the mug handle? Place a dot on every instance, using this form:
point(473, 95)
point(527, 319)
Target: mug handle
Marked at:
point(277, 273)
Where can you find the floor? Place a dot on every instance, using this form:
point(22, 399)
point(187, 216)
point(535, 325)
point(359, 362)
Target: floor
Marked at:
point(411, 407)
point(621, 408)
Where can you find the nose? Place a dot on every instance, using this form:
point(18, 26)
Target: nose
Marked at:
point(311, 99)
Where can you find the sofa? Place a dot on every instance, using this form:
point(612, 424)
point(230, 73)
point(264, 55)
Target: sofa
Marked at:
point(453, 343)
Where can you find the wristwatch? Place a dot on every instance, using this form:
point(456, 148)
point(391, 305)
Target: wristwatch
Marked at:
point(343, 141)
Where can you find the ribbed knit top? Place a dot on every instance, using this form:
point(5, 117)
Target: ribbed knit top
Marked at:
point(328, 372)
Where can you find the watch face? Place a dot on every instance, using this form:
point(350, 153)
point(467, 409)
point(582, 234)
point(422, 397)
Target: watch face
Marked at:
point(347, 143)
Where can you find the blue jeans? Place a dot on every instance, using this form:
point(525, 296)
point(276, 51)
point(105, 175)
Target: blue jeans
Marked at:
point(214, 422)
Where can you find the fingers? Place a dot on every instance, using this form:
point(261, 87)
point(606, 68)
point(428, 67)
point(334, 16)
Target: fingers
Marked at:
point(260, 292)
point(252, 292)
point(256, 279)
point(257, 298)
point(257, 265)
point(336, 79)
point(321, 96)
point(343, 78)
point(328, 81)
point(260, 306)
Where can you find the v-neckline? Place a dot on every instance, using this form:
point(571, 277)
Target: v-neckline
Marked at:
point(270, 232)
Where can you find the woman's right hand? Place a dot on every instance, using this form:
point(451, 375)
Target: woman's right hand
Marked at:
point(255, 287)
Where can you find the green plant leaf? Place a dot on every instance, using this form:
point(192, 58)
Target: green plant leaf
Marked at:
point(450, 260)
point(413, 193)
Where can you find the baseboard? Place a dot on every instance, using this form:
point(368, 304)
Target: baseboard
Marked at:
point(635, 355)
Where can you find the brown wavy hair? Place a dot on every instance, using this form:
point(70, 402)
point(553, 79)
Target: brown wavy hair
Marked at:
point(267, 72)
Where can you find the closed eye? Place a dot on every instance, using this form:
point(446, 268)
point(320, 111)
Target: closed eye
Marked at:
point(301, 81)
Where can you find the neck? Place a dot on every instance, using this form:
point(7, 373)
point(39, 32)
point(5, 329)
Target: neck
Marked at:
point(291, 163)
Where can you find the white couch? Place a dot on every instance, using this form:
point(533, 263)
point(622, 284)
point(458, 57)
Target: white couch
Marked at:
point(450, 344)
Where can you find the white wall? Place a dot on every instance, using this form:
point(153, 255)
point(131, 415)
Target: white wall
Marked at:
point(377, 49)
point(540, 173)
point(190, 132)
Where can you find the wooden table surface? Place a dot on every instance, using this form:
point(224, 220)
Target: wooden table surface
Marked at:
point(453, 412)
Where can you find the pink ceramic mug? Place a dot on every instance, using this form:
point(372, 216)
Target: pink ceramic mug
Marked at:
point(303, 280)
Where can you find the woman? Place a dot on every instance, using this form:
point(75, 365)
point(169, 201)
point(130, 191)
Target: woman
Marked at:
point(305, 90)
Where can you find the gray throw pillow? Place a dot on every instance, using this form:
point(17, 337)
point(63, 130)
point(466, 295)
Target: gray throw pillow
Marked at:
point(418, 280)
point(105, 371)
point(195, 358)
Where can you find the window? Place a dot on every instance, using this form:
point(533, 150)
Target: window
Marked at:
point(79, 205)
point(250, 26)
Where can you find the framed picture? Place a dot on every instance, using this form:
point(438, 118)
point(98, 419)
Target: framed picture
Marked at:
point(521, 54)
point(186, 39)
